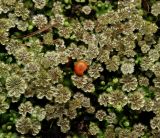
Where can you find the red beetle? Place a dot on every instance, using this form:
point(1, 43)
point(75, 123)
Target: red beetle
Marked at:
point(80, 67)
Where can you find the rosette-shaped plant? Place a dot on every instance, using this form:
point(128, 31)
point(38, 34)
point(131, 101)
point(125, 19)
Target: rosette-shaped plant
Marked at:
point(3, 104)
point(62, 94)
point(15, 86)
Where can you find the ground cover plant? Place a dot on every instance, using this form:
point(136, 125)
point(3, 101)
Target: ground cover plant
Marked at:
point(79, 69)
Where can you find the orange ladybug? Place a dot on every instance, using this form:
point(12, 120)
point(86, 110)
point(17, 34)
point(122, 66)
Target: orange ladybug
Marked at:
point(80, 67)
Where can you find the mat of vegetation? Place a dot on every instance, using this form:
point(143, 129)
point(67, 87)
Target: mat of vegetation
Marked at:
point(79, 68)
